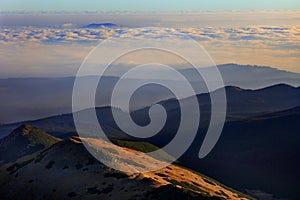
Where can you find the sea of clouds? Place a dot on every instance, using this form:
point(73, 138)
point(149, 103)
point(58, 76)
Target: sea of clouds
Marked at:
point(280, 36)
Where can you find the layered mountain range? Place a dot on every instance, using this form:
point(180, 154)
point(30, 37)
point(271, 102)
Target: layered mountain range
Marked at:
point(256, 153)
point(34, 98)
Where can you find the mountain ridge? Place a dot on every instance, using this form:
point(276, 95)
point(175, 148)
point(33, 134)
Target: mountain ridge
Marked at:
point(67, 170)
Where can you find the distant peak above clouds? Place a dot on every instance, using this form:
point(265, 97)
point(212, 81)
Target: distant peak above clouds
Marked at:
point(101, 25)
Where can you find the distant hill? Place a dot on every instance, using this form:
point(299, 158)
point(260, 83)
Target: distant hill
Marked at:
point(271, 99)
point(67, 170)
point(24, 140)
point(255, 77)
point(250, 76)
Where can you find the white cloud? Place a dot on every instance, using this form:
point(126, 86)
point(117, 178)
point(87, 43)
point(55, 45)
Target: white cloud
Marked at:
point(57, 35)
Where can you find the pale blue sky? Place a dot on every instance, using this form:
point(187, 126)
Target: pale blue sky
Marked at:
point(111, 5)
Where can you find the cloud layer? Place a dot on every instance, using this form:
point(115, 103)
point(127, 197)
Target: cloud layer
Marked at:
point(277, 35)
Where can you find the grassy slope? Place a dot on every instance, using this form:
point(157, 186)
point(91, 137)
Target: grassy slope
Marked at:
point(144, 147)
point(38, 136)
point(148, 147)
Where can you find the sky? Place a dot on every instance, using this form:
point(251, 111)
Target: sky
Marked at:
point(112, 5)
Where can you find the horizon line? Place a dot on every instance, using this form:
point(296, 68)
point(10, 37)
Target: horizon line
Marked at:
point(50, 11)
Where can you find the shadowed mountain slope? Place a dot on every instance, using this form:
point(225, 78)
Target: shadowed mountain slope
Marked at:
point(259, 155)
